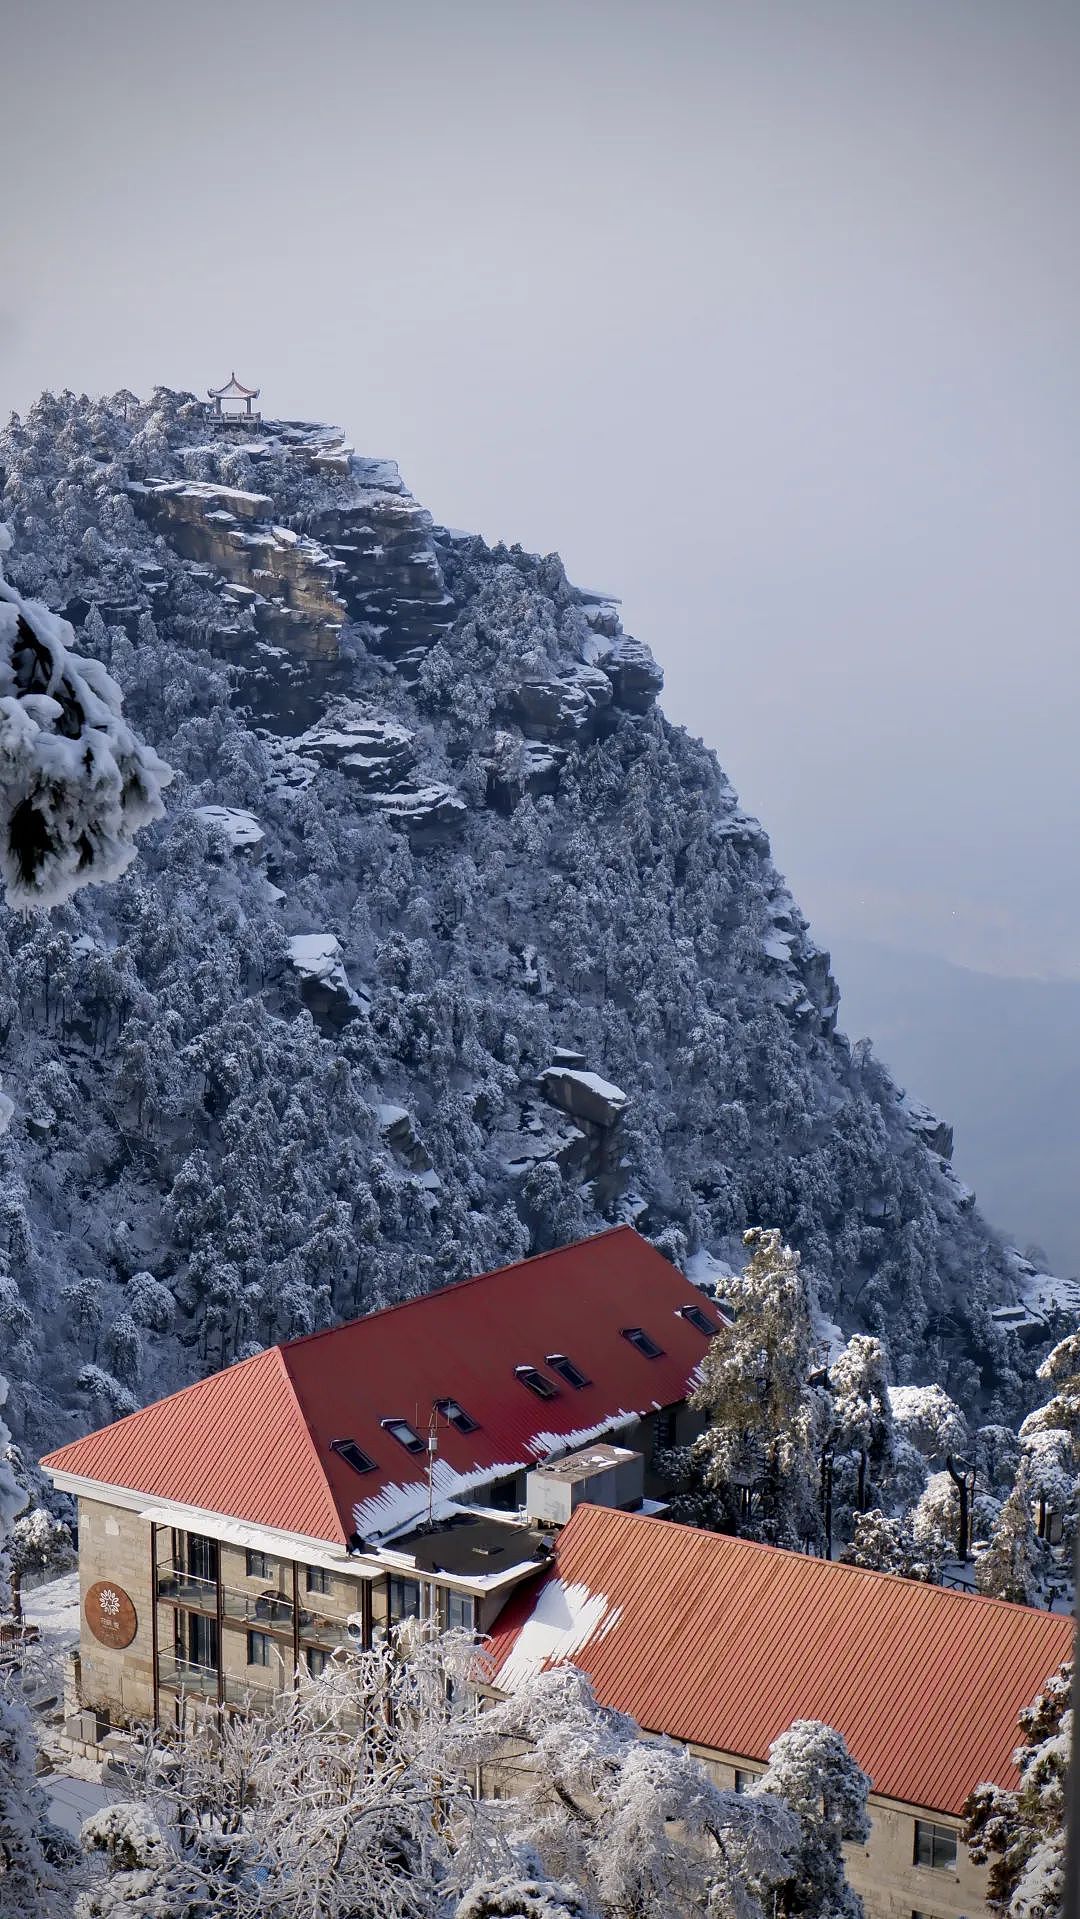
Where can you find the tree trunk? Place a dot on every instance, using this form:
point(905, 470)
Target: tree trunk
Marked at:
point(964, 1491)
point(863, 1462)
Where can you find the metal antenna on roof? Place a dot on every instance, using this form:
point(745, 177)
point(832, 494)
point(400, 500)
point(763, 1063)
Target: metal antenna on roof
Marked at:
point(432, 1451)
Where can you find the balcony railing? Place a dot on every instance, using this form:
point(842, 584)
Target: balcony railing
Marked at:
point(269, 1611)
point(201, 1682)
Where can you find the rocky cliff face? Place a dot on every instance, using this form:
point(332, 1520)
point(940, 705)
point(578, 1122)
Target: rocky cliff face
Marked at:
point(450, 946)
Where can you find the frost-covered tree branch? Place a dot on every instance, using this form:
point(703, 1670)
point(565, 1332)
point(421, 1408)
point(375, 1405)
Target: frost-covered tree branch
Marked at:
point(75, 783)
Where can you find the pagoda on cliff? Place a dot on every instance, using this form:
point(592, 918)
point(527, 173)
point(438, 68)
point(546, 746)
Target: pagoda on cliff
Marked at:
point(231, 403)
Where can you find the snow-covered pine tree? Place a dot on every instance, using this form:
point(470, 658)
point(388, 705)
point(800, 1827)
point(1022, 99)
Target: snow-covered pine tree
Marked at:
point(812, 1772)
point(862, 1418)
point(765, 1419)
point(1011, 1564)
point(1021, 1835)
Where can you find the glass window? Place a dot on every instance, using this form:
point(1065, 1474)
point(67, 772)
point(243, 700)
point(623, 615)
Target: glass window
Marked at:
point(353, 1455)
point(200, 1637)
point(640, 1339)
point(743, 1779)
point(460, 1612)
point(935, 1846)
point(566, 1369)
point(316, 1660)
point(317, 1579)
point(462, 1421)
point(258, 1649)
point(696, 1317)
point(202, 1557)
point(404, 1600)
point(257, 1565)
point(405, 1434)
point(665, 1429)
point(536, 1382)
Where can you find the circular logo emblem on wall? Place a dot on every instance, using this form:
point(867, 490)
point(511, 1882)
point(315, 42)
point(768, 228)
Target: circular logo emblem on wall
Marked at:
point(110, 1614)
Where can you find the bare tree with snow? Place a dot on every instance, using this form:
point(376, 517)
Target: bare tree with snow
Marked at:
point(33, 1854)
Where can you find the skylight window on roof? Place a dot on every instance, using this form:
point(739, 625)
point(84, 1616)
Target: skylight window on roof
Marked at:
point(405, 1434)
point(353, 1455)
point(699, 1319)
point(566, 1369)
point(456, 1416)
point(535, 1380)
point(640, 1338)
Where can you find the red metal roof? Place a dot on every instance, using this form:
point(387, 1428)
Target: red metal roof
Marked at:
point(253, 1442)
point(724, 1643)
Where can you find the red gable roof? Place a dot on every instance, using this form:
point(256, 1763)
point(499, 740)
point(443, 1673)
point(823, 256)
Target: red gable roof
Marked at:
point(724, 1643)
point(254, 1442)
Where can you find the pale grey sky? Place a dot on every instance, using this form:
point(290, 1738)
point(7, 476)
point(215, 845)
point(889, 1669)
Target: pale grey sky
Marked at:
point(764, 314)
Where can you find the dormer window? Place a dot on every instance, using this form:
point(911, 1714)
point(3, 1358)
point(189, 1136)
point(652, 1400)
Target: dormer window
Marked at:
point(696, 1317)
point(566, 1369)
point(640, 1339)
point(405, 1434)
point(353, 1455)
point(531, 1377)
point(456, 1416)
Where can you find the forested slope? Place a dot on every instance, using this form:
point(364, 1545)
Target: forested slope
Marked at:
point(481, 956)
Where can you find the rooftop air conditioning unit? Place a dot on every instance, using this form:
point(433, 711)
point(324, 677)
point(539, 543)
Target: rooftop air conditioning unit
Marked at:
point(600, 1475)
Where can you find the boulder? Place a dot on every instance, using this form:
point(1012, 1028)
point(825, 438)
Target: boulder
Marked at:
point(376, 753)
point(585, 1096)
point(324, 983)
point(635, 677)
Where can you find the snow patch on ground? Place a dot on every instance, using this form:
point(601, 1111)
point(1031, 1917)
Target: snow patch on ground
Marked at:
point(239, 828)
point(54, 1608)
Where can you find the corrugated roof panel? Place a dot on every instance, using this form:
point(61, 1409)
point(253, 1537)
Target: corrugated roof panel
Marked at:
point(235, 1443)
point(724, 1643)
point(254, 1442)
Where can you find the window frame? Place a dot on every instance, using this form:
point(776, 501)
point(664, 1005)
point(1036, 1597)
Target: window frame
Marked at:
point(317, 1580)
point(536, 1382)
point(745, 1780)
point(396, 1426)
point(641, 1341)
point(467, 1602)
point(256, 1564)
point(353, 1455)
point(319, 1654)
point(459, 1419)
point(698, 1318)
point(936, 1836)
point(395, 1616)
point(570, 1374)
point(259, 1647)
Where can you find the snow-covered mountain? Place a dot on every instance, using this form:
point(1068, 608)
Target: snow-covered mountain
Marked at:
point(449, 947)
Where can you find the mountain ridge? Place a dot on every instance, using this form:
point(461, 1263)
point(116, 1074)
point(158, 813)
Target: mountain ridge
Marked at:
point(435, 869)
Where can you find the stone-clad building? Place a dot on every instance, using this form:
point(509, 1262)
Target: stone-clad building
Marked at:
point(722, 1644)
point(245, 1527)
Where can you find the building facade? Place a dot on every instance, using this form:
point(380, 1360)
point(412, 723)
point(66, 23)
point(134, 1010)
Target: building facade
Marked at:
point(235, 1534)
point(722, 1644)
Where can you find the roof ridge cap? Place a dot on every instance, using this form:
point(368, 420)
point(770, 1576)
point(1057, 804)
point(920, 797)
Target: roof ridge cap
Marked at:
point(305, 1426)
point(604, 1515)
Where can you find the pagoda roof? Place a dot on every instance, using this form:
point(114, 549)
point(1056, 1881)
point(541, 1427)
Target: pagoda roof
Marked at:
point(233, 389)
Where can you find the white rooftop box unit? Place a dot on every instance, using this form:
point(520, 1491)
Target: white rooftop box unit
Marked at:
point(599, 1475)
